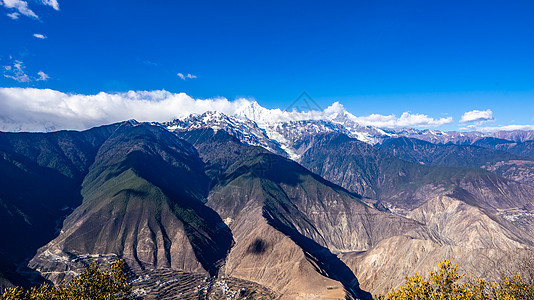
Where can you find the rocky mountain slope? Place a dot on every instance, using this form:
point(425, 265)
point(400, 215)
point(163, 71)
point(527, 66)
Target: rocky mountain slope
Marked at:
point(146, 195)
point(469, 212)
point(283, 206)
point(476, 196)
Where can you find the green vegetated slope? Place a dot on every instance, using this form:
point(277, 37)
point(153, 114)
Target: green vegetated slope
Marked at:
point(505, 158)
point(418, 151)
point(40, 176)
point(143, 201)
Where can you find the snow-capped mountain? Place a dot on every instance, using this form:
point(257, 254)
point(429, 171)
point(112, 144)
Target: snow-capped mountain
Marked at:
point(279, 131)
point(333, 118)
point(438, 136)
point(278, 136)
point(287, 134)
point(245, 130)
point(458, 137)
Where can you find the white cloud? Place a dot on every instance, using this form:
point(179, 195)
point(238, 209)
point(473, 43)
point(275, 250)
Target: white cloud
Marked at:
point(16, 72)
point(21, 7)
point(14, 15)
point(52, 3)
point(337, 114)
point(477, 116)
point(42, 76)
point(187, 76)
point(29, 109)
point(39, 36)
point(405, 120)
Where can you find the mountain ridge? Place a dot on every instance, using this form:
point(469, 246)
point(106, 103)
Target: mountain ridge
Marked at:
point(277, 130)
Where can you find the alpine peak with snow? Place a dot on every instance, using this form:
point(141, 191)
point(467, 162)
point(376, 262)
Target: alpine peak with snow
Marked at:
point(279, 130)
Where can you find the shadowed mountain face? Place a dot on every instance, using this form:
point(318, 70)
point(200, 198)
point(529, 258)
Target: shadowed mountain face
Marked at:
point(502, 157)
point(379, 175)
point(143, 201)
point(70, 153)
point(524, 149)
point(40, 176)
point(418, 151)
point(491, 142)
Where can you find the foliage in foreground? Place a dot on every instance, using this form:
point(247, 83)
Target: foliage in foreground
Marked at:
point(443, 284)
point(92, 284)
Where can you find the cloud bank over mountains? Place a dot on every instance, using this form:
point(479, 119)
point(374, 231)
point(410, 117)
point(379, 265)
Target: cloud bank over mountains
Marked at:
point(30, 109)
point(405, 120)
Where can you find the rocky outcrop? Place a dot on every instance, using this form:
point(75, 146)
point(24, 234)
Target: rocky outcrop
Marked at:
point(453, 222)
point(385, 266)
point(462, 233)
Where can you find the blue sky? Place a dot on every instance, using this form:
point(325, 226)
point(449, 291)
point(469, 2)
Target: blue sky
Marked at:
point(438, 58)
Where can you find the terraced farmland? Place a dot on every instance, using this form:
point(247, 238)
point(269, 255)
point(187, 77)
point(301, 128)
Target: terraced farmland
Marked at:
point(172, 284)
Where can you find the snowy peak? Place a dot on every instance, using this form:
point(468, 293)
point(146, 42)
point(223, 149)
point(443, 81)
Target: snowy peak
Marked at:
point(251, 110)
point(245, 130)
point(288, 134)
point(280, 131)
point(211, 119)
point(276, 130)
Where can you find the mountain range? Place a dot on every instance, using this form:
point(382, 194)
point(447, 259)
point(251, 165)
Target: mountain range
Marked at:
point(321, 208)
